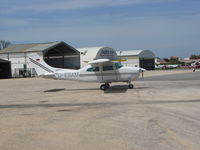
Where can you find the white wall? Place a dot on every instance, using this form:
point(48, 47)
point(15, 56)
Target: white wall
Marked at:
point(4, 56)
point(18, 60)
point(131, 62)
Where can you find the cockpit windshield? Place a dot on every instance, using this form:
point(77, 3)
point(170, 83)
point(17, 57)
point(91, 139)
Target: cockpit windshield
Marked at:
point(93, 69)
point(118, 65)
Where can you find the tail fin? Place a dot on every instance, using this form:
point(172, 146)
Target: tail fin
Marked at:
point(41, 67)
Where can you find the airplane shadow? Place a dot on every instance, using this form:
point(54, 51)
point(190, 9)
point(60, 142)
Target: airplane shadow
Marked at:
point(117, 89)
point(55, 90)
point(63, 89)
point(85, 89)
point(112, 89)
point(142, 87)
point(121, 89)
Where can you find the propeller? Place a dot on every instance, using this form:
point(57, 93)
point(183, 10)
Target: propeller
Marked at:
point(142, 69)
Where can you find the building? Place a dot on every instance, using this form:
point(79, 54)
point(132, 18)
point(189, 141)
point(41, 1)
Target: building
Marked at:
point(14, 60)
point(92, 53)
point(5, 69)
point(138, 58)
point(56, 54)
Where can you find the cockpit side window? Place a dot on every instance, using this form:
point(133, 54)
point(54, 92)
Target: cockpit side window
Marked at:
point(93, 69)
point(118, 65)
point(107, 68)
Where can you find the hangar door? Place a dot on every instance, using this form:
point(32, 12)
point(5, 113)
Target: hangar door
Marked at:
point(5, 69)
point(62, 56)
point(148, 64)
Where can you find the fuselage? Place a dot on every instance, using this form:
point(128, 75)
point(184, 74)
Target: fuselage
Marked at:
point(99, 70)
point(100, 73)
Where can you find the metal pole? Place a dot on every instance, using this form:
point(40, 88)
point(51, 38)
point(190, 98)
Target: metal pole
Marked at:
point(8, 56)
point(142, 74)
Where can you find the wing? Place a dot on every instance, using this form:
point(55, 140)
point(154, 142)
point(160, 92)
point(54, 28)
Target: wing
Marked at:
point(100, 61)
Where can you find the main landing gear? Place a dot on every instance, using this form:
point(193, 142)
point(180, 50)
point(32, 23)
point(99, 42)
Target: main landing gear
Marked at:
point(105, 86)
point(131, 86)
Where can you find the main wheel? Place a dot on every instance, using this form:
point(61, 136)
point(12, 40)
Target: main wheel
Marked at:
point(103, 87)
point(107, 85)
point(131, 86)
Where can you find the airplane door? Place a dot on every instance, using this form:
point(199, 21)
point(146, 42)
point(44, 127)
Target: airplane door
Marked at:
point(108, 73)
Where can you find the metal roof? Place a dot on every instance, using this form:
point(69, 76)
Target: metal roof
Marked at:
point(140, 53)
point(22, 48)
point(90, 48)
point(129, 52)
point(89, 52)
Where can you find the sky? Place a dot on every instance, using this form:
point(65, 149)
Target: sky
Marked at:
point(167, 27)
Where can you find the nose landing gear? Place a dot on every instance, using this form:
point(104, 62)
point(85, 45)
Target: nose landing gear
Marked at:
point(105, 86)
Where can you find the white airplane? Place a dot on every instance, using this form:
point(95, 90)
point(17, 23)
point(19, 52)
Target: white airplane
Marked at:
point(100, 70)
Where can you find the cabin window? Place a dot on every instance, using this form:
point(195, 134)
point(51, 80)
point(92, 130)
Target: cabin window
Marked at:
point(93, 69)
point(107, 68)
point(118, 65)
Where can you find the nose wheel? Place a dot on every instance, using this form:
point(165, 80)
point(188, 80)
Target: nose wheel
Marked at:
point(105, 86)
point(131, 86)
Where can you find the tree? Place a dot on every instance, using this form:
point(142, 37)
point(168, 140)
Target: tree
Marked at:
point(174, 60)
point(195, 57)
point(166, 59)
point(4, 44)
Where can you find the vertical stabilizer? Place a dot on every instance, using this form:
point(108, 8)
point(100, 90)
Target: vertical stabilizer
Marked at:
point(41, 67)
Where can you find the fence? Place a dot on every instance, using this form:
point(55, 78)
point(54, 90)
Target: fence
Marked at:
point(23, 73)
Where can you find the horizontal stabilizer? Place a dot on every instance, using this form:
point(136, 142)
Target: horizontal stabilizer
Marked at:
point(48, 76)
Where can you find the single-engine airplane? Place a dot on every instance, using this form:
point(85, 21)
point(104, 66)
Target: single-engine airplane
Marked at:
point(103, 71)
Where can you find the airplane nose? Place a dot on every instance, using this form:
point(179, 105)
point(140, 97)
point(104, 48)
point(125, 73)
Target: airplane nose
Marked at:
point(142, 69)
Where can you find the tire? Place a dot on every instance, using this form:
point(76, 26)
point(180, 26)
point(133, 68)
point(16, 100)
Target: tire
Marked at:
point(103, 87)
point(131, 86)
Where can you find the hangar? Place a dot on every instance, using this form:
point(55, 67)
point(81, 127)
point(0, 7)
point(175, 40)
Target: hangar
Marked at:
point(61, 55)
point(56, 54)
point(5, 69)
point(138, 58)
point(92, 53)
